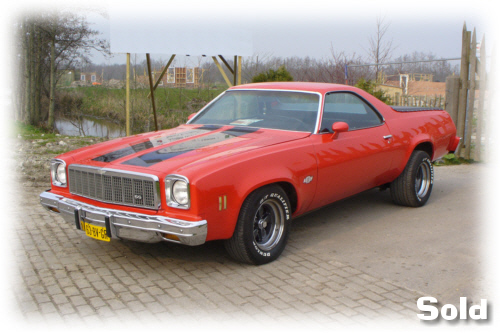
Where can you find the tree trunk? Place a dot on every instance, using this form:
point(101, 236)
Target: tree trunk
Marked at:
point(33, 77)
point(38, 82)
point(28, 96)
point(52, 82)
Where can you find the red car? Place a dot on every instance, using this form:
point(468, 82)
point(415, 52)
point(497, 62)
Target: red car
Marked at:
point(246, 164)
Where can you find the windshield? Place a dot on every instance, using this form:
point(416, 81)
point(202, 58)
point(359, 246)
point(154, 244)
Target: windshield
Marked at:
point(285, 110)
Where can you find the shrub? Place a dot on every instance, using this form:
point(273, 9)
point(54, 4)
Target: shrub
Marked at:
point(369, 87)
point(272, 76)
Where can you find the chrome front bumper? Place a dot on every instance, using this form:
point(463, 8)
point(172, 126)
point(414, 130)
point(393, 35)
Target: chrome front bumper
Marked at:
point(126, 225)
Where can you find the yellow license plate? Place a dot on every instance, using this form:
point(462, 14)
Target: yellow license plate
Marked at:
point(95, 232)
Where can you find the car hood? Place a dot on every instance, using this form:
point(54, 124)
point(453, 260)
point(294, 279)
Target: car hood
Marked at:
point(175, 149)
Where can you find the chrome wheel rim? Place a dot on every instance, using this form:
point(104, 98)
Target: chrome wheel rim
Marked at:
point(268, 226)
point(423, 180)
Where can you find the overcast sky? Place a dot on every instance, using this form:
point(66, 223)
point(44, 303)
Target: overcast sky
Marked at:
point(280, 28)
point(289, 28)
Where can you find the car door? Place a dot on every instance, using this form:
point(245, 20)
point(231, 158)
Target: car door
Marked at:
point(355, 160)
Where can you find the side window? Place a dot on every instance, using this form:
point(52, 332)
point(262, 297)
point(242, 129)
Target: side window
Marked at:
point(348, 108)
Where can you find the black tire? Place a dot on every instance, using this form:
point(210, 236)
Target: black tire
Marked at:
point(414, 186)
point(263, 226)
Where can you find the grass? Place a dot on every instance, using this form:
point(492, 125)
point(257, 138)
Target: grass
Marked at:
point(451, 159)
point(99, 100)
point(29, 132)
point(173, 105)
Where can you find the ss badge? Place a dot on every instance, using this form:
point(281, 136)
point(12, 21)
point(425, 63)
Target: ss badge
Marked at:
point(308, 179)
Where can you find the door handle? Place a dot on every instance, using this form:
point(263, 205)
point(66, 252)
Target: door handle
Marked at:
point(387, 137)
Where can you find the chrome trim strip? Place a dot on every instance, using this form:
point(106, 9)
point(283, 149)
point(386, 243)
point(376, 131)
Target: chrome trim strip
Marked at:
point(126, 225)
point(132, 173)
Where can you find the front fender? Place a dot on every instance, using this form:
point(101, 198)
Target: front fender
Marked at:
point(222, 192)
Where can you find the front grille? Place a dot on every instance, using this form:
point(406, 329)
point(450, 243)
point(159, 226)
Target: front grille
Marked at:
point(112, 186)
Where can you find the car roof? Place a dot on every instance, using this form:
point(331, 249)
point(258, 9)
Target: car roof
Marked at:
point(302, 86)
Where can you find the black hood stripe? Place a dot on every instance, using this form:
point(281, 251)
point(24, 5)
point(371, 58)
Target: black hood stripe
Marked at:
point(117, 154)
point(114, 155)
point(166, 153)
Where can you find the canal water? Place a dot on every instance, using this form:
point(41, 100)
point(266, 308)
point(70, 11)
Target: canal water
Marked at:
point(89, 127)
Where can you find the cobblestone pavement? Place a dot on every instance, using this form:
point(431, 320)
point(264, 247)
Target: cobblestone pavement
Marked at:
point(64, 277)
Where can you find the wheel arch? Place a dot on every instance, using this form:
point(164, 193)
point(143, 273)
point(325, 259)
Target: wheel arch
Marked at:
point(286, 185)
point(291, 193)
point(426, 146)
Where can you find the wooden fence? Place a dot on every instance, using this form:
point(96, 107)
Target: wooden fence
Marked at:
point(465, 99)
point(434, 101)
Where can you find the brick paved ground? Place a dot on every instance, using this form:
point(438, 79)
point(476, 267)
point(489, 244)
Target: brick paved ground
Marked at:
point(66, 278)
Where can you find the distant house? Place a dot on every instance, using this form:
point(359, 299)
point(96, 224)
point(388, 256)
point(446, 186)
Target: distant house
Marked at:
point(411, 84)
point(89, 77)
point(178, 77)
point(421, 88)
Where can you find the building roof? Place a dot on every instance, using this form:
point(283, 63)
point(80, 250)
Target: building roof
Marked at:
point(426, 88)
point(422, 88)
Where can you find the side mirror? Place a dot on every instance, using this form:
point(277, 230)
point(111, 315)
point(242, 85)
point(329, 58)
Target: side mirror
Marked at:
point(339, 127)
point(192, 115)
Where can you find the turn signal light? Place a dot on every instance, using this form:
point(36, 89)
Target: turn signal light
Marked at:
point(171, 237)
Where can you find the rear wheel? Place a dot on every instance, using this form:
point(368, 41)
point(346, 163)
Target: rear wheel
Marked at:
point(262, 229)
point(414, 186)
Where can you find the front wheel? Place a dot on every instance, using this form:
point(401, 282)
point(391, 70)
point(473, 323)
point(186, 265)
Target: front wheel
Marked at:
point(414, 186)
point(262, 229)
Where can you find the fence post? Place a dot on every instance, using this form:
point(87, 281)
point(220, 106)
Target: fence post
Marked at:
point(472, 96)
point(451, 100)
point(462, 98)
point(480, 107)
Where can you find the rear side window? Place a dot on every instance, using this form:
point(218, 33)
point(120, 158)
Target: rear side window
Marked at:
point(348, 108)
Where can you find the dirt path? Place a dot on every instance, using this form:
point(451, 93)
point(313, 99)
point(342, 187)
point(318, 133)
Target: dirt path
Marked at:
point(33, 157)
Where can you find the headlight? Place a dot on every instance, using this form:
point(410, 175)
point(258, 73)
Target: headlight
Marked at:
point(58, 172)
point(180, 192)
point(177, 191)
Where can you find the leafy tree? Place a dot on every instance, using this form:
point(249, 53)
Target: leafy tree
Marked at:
point(272, 76)
point(369, 87)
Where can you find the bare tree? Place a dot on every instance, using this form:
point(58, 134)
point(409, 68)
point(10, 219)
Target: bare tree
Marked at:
point(420, 63)
point(52, 42)
point(381, 48)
